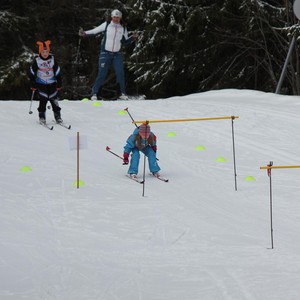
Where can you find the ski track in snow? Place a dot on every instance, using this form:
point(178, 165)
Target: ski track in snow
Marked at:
point(194, 237)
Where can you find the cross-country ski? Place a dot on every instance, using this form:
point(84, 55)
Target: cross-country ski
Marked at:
point(44, 124)
point(159, 177)
point(63, 124)
point(134, 178)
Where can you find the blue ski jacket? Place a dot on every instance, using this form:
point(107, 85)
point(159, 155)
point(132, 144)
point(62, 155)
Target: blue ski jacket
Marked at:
point(131, 142)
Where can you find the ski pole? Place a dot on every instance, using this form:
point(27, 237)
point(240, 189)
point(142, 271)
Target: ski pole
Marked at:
point(32, 95)
point(78, 49)
point(144, 168)
point(136, 66)
point(108, 149)
point(126, 109)
point(75, 89)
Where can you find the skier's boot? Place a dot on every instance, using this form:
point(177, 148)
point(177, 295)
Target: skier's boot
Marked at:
point(57, 117)
point(42, 117)
point(123, 97)
point(134, 176)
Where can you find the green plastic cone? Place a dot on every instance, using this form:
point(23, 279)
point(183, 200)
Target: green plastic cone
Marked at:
point(122, 112)
point(81, 183)
point(200, 147)
point(25, 169)
point(221, 159)
point(171, 134)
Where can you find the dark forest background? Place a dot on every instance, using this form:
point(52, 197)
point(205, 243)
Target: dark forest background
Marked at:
point(184, 46)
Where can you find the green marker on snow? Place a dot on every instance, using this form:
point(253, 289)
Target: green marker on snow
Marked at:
point(200, 147)
point(26, 169)
point(122, 112)
point(221, 159)
point(171, 134)
point(97, 103)
point(80, 183)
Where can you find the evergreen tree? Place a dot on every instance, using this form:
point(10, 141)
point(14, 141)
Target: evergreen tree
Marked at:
point(184, 46)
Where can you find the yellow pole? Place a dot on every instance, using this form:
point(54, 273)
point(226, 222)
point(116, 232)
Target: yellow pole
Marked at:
point(279, 167)
point(188, 120)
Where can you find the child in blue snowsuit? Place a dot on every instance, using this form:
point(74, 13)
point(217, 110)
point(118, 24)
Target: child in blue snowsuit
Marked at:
point(142, 140)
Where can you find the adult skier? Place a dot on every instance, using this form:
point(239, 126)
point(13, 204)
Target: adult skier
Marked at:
point(115, 35)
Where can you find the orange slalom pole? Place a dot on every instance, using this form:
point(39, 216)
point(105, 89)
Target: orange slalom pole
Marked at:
point(188, 120)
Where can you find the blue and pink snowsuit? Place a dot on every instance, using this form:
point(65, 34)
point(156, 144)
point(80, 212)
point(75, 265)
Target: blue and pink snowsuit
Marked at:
point(149, 150)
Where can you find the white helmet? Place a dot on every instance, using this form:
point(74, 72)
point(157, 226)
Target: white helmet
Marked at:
point(116, 13)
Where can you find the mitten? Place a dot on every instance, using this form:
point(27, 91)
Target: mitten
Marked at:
point(125, 158)
point(154, 148)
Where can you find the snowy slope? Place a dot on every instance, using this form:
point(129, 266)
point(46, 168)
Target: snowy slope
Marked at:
point(192, 238)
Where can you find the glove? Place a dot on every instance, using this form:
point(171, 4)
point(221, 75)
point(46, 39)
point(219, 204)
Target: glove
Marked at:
point(154, 148)
point(33, 89)
point(81, 32)
point(125, 158)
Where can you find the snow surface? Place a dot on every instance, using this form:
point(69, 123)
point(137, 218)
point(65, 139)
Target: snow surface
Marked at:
point(194, 238)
